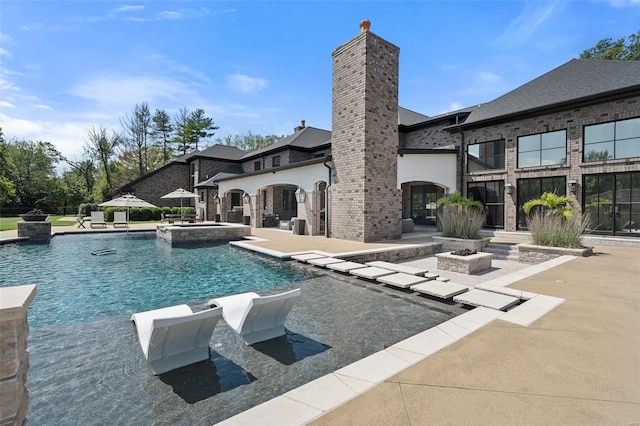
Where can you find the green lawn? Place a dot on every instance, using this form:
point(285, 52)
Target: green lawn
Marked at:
point(10, 223)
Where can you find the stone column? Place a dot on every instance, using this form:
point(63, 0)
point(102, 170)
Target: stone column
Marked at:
point(365, 200)
point(14, 358)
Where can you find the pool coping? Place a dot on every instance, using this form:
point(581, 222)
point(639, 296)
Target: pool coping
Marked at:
point(312, 400)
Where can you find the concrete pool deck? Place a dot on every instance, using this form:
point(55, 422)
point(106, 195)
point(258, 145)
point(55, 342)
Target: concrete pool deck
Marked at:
point(578, 364)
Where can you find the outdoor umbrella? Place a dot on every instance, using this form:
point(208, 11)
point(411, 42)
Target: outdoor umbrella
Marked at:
point(127, 201)
point(181, 193)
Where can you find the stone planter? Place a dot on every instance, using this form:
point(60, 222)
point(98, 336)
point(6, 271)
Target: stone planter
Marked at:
point(464, 264)
point(452, 244)
point(532, 254)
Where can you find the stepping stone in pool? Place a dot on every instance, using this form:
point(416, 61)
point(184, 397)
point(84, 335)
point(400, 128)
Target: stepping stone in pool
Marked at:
point(443, 290)
point(371, 272)
point(307, 257)
point(401, 280)
point(345, 266)
point(398, 268)
point(487, 299)
point(325, 261)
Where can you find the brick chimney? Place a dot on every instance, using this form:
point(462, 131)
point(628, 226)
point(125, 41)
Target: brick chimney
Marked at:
point(365, 202)
point(300, 127)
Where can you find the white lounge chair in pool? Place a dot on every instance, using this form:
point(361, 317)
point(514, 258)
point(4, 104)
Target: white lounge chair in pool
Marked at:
point(120, 219)
point(174, 337)
point(97, 219)
point(257, 318)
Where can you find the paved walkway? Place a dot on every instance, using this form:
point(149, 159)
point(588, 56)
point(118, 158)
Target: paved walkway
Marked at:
point(578, 364)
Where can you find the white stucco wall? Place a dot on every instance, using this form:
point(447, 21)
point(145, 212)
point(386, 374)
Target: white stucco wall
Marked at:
point(305, 176)
point(437, 168)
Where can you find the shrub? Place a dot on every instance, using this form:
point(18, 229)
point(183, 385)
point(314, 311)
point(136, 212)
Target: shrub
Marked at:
point(460, 217)
point(461, 223)
point(85, 209)
point(554, 230)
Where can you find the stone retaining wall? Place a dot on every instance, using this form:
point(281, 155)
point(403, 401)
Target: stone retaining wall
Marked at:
point(14, 358)
point(394, 254)
point(532, 254)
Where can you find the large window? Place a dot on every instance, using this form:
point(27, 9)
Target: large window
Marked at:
point(491, 195)
point(618, 139)
point(543, 149)
point(485, 156)
point(613, 202)
point(529, 189)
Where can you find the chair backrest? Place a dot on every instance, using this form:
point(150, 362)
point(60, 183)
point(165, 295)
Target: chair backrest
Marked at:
point(120, 216)
point(268, 311)
point(97, 216)
point(173, 336)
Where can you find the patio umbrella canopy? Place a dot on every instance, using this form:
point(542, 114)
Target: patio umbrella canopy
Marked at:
point(181, 193)
point(127, 201)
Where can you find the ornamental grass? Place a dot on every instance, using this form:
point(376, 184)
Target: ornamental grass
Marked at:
point(552, 230)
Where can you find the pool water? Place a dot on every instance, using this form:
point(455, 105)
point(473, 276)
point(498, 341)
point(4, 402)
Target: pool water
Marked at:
point(144, 273)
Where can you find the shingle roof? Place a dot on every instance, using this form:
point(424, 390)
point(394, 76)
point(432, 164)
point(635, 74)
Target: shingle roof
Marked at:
point(306, 138)
point(406, 117)
point(576, 80)
point(225, 152)
point(230, 171)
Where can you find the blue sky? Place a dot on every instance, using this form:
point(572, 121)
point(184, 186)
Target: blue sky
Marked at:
point(263, 66)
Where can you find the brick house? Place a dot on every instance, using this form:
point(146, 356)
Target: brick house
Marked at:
point(575, 130)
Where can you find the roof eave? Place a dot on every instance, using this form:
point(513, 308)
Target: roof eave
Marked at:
point(551, 108)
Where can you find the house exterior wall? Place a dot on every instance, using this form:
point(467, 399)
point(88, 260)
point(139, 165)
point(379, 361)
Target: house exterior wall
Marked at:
point(573, 121)
point(155, 185)
point(430, 137)
point(365, 201)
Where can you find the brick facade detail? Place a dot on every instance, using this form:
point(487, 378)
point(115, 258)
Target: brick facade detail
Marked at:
point(365, 202)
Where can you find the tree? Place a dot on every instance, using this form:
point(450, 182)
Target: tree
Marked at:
point(621, 49)
point(86, 170)
point(191, 128)
point(7, 188)
point(161, 132)
point(136, 132)
point(200, 126)
point(33, 172)
point(249, 142)
point(183, 139)
point(102, 148)
point(560, 205)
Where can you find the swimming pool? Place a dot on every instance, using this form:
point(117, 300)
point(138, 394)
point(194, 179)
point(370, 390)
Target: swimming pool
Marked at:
point(144, 273)
point(87, 367)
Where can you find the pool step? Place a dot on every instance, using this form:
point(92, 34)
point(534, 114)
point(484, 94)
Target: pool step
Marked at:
point(500, 302)
point(441, 289)
point(401, 280)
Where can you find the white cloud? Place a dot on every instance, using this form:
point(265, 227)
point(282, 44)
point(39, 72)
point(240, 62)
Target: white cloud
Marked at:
point(5, 104)
point(124, 91)
point(128, 8)
point(523, 27)
point(4, 52)
point(170, 14)
point(488, 77)
point(245, 84)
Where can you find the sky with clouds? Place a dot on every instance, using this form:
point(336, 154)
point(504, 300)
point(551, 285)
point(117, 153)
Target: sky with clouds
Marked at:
point(262, 66)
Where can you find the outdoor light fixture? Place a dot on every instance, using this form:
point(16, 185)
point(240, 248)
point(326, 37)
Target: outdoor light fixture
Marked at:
point(508, 188)
point(301, 196)
point(573, 185)
point(246, 197)
point(216, 199)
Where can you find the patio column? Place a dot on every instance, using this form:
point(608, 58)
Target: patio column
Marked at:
point(14, 357)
